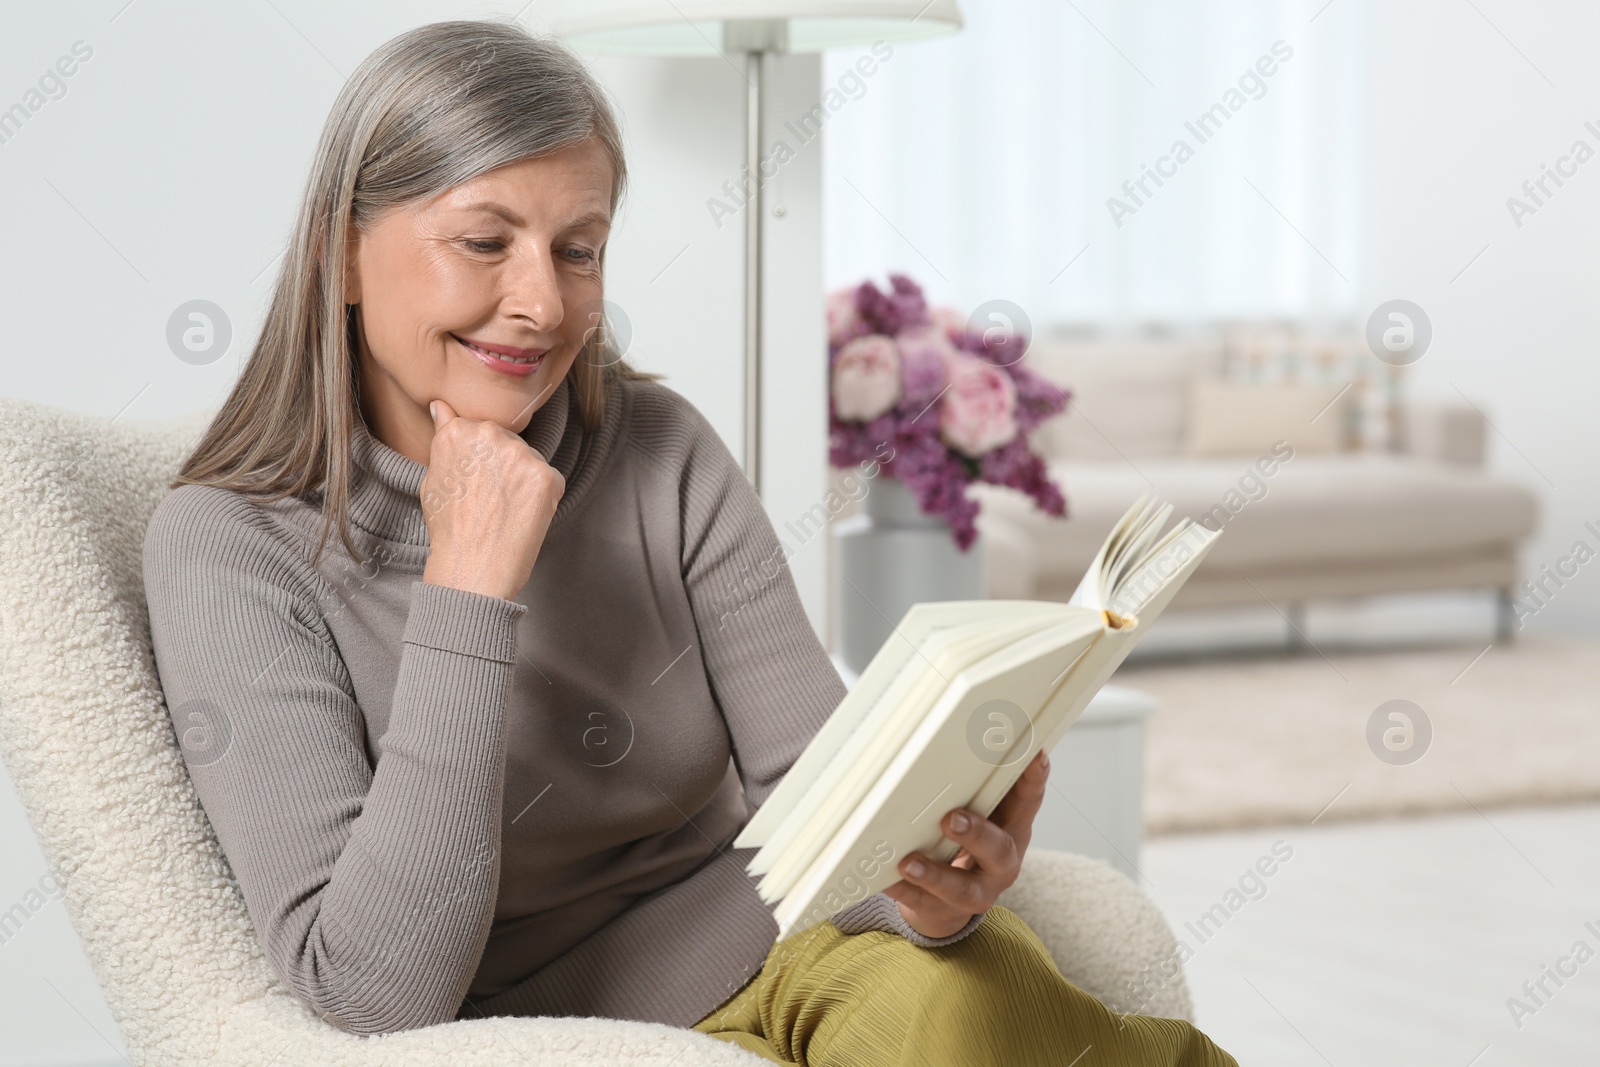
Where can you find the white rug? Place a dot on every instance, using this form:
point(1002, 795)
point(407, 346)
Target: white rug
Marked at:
point(1283, 739)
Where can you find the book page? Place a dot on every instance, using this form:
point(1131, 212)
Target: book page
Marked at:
point(1136, 526)
point(1169, 562)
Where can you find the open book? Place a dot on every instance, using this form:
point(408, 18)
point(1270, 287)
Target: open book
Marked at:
point(948, 714)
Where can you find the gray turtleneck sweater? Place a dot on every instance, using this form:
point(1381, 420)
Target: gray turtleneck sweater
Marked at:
point(439, 804)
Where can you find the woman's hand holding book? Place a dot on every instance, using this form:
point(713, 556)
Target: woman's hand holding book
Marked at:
point(940, 900)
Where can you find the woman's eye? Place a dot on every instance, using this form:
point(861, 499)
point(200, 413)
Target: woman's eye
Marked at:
point(583, 256)
point(485, 245)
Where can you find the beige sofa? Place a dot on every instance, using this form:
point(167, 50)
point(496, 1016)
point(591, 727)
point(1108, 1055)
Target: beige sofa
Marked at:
point(1416, 513)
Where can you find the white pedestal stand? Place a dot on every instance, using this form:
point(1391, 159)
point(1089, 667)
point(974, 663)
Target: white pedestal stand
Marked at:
point(889, 557)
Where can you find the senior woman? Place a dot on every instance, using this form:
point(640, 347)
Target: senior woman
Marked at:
point(486, 753)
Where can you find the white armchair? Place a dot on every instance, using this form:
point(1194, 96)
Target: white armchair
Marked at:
point(90, 748)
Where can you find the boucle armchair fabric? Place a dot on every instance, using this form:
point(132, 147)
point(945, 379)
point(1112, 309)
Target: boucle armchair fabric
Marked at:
point(88, 743)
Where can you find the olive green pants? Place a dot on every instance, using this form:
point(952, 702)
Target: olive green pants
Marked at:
point(829, 999)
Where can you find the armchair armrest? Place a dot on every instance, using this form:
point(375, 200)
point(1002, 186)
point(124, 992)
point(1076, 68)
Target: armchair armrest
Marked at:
point(1448, 433)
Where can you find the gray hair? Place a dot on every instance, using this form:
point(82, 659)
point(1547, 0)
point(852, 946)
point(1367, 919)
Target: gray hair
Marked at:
point(429, 109)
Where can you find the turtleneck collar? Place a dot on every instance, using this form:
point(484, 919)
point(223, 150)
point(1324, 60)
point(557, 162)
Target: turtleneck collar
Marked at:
point(385, 485)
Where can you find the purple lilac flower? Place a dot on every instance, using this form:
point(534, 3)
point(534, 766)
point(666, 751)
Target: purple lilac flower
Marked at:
point(937, 475)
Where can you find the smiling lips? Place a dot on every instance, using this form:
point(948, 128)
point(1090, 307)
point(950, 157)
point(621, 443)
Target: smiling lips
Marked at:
point(519, 362)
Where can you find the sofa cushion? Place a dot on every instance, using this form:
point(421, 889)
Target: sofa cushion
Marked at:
point(1129, 397)
point(1339, 508)
point(1243, 419)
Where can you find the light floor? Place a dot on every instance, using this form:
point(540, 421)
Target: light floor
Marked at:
point(1395, 942)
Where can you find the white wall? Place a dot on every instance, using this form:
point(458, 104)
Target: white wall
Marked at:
point(170, 170)
point(1456, 121)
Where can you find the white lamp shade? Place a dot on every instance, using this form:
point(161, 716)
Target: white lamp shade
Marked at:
point(706, 27)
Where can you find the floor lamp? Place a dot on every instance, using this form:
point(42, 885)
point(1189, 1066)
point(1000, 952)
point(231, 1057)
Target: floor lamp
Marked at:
point(750, 28)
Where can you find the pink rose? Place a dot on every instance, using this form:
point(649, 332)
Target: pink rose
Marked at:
point(951, 321)
point(843, 321)
point(927, 339)
point(866, 378)
point(979, 412)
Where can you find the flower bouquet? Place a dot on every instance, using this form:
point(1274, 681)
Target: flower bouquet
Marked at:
point(935, 403)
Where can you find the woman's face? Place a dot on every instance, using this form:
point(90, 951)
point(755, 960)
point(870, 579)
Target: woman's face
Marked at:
point(510, 262)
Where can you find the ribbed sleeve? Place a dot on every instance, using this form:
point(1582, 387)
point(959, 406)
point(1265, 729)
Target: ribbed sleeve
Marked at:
point(771, 677)
point(880, 912)
point(371, 885)
point(447, 619)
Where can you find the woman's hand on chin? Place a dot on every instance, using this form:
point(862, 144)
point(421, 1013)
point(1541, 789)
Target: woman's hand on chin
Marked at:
point(488, 500)
point(940, 900)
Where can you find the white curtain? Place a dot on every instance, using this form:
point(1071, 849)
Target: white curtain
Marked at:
point(982, 163)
